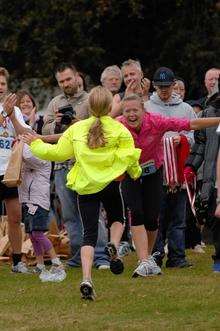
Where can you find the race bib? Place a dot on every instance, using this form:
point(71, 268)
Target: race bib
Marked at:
point(148, 168)
point(6, 143)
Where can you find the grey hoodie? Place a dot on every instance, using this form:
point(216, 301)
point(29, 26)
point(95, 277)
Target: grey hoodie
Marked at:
point(174, 108)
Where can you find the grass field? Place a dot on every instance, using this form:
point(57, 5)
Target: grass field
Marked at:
point(187, 299)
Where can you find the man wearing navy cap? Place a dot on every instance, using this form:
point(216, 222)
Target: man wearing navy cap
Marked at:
point(169, 104)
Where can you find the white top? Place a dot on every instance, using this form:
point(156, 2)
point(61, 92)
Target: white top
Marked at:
point(7, 136)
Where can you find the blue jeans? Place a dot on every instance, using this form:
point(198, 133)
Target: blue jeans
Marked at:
point(73, 225)
point(172, 226)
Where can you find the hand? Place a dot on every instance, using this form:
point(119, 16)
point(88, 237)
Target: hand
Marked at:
point(189, 175)
point(9, 103)
point(32, 117)
point(58, 116)
point(145, 86)
point(29, 137)
point(130, 89)
point(176, 140)
point(217, 211)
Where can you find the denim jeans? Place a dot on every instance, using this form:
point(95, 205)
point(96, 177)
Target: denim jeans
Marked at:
point(73, 225)
point(172, 226)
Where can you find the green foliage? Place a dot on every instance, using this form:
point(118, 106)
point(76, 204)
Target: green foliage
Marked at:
point(36, 35)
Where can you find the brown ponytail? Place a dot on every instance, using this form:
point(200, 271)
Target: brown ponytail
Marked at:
point(96, 136)
point(100, 100)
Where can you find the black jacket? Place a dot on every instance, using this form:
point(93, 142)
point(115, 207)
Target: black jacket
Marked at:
point(206, 149)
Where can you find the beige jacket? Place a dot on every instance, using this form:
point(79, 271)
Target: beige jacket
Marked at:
point(79, 103)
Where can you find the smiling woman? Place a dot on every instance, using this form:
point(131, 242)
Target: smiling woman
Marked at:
point(28, 107)
point(143, 196)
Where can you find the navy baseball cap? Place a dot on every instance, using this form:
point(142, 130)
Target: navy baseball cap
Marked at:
point(163, 77)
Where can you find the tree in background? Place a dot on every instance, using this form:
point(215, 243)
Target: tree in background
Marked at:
point(181, 34)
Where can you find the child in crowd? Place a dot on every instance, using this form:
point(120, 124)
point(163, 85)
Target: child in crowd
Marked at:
point(34, 194)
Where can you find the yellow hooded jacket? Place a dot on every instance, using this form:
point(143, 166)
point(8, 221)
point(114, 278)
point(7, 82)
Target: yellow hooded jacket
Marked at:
point(94, 168)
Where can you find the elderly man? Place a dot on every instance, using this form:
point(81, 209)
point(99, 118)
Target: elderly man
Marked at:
point(111, 78)
point(211, 76)
point(135, 83)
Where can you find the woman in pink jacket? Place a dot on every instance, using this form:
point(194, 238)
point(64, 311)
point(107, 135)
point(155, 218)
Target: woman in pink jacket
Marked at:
point(143, 196)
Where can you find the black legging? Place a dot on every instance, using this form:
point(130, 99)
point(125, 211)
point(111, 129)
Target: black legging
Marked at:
point(143, 197)
point(89, 206)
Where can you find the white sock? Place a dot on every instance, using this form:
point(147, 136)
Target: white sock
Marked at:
point(56, 261)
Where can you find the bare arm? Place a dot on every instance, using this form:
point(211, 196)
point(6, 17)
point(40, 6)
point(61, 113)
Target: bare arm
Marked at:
point(8, 106)
point(201, 123)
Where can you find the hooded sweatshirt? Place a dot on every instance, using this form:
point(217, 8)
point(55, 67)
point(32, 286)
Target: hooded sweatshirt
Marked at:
point(174, 108)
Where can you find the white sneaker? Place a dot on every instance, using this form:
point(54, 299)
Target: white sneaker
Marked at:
point(54, 275)
point(124, 249)
point(144, 269)
point(20, 268)
point(198, 249)
point(156, 269)
point(103, 267)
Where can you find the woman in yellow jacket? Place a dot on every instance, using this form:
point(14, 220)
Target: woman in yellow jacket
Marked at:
point(104, 150)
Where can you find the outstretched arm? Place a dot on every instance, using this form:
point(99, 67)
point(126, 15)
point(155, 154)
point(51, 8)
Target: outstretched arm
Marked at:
point(61, 151)
point(201, 123)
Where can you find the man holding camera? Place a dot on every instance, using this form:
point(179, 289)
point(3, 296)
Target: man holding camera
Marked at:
point(64, 110)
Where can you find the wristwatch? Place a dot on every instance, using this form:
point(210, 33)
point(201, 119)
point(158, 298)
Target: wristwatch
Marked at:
point(4, 114)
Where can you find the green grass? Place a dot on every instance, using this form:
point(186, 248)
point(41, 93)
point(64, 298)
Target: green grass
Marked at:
point(187, 299)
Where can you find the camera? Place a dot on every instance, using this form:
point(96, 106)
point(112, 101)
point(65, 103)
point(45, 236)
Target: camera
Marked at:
point(68, 114)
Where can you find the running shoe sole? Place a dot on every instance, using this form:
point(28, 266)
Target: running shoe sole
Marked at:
point(87, 292)
point(111, 251)
point(116, 264)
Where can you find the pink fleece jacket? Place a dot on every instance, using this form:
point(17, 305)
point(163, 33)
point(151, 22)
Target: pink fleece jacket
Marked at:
point(149, 137)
